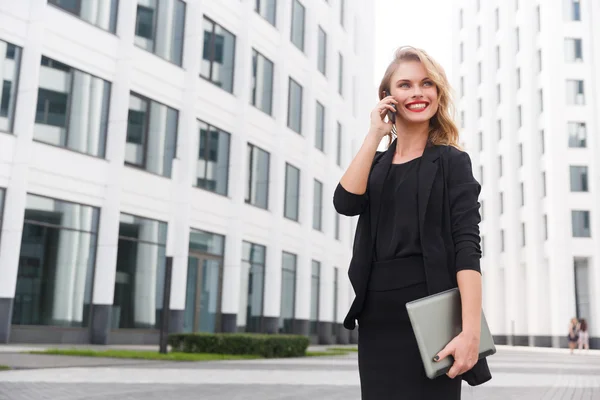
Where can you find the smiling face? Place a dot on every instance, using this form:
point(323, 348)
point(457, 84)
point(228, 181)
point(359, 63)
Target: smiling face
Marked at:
point(416, 93)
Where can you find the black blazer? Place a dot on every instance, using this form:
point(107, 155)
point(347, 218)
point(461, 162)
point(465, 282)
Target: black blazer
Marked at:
point(448, 219)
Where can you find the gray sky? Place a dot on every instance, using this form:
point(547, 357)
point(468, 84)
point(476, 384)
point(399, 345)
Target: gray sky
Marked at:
point(420, 23)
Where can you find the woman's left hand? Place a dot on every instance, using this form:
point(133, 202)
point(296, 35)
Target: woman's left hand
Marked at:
point(465, 350)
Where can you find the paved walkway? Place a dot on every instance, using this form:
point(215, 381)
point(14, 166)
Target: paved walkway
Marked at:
point(546, 374)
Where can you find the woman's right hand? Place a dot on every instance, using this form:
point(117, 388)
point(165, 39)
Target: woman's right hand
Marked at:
point(379, 127)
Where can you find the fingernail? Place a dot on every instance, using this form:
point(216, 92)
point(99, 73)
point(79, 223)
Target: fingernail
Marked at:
point(436, 358)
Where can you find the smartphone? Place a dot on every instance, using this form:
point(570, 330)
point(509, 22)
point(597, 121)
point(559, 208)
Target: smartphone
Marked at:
point(391, 115)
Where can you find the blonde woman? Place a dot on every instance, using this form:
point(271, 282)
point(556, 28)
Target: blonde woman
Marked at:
point(417, 234)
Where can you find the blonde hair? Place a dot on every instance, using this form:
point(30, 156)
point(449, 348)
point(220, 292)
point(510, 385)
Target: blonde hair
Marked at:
point(442, 129)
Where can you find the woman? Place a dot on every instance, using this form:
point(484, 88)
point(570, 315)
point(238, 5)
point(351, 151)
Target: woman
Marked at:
point(584, 335)
point(573, 335)
point(417, 234)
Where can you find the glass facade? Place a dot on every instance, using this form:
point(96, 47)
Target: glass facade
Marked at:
point(262, 82)
point(294, 121)
point(212, 171)
point(151, 135)
point(320, 127)
point(10, 63)
point(338, 156)
point(292, 192)
point(257, 190)
point(315, 284)
point(288, 292)
point(102, 13)
point(577, 134)
point(579, 178)
point(140, 278)
point(72, 109)
point(317, 205)
point(218, 56)
point(267, 9)
point(575, 92)
point(583, 295)
point(56, 263)
point(298, 22)
point(322, 53)
point(252, 287)
point(159, 28)
point(580, 220)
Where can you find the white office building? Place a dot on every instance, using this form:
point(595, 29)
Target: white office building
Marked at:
point(527, 77)
point(210, 133)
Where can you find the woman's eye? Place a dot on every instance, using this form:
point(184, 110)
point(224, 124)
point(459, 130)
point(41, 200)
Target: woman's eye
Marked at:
point(403, 85)
point(428, 83)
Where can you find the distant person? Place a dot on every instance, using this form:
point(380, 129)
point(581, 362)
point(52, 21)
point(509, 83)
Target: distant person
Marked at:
point(417, 234)
point(573, 335)
point(584, 335)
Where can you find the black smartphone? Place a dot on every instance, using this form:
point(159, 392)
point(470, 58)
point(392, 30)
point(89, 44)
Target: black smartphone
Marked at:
point(391, 115)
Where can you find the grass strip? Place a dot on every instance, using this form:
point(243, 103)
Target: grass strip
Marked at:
point(4, 368)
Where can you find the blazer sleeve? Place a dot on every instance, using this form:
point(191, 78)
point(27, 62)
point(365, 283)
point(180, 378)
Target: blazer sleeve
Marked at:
point(464, 192)
point(347, 203)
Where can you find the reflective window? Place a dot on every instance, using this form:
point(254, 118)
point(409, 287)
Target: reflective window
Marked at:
point(56, 263)
point(579, 178)
point(335, 293)
point(267, 9)
point(294, 119)
point(573, 50)
point(159, 28)
point(206, 242)
point(212, 171)
point(218, 55)
point(577, 134)
point(322, 53)
point(583, 294)
point(292, 192)
point(315, 284)
point(572, 10)
point(72, 108)
point(298, 16)
point(288, 292)
point(340, 74)
point(140, 278)
point(317, 205)
point(252, 287)
point(257, 190)
point(262, 82)
point(151, 135)
point(580, 223)
point(337, 226)
point(102, 13)
point(575, 92)
point(320, 128)
point(342, 12)
point(338, 156)
point(10, 62)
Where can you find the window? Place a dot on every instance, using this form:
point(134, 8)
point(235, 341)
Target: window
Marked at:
point(338, 157)
point(518, 39)
point(501, 203)
point(499, 128)
point(480, 135)
point(10, 62)
point(573, 50)
point(481, 209)
point(257, 190)
point(315, 284)
point(538, 18)
point(583, 295)
point(577, 134)
point(499, 165)
point(151, 135)
point(502, 240)
point(336, 273)
point(267, 9)
point(462, 86)
point(478, 36)
point(72, 109)
point(462, 119)
point(460, 18)
point(252, 286)
point(575, 92)
point(498, 94)
point(543, 141)
point(337, 226)
point(320, 128)
point(539, 60)
point(579, 178)
point(497, 19)
point(518, 78)
point(159, 28)
point(541, 99)
point(139, 284)
point(218, 55)
point(340, 74)
point(56, 263)
point(522, 191)
point(521, 154)
point(322, 54)
point(498, 63)
point(545, 227)
point(102, 14)
point(519, 116)
point(544, 184)
point(523, 238)
point(288, 292)
point(292, 192)
point(478, 5)
point(480, 107)
point(462, 52)
point(481, 174)
point(581, 223)
point(572, 10)
point(342, 12)
point(294, 119)
point(298, 15)
point(262, 82)
point(212, 172)
point(479, 72)
point(317, 205)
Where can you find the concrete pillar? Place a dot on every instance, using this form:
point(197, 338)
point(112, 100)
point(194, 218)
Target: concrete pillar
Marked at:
point(16, 193)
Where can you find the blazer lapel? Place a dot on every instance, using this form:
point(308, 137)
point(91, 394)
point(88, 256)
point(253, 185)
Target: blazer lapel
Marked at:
point(378, 177)
point(427, 172)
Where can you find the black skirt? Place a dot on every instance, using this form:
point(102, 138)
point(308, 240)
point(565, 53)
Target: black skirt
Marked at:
point(389, 362)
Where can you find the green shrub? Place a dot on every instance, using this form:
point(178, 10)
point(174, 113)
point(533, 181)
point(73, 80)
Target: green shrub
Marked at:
point(268, 346)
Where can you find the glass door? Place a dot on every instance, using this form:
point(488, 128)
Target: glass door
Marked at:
point(203, 293)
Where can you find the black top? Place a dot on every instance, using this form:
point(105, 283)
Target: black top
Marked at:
point(398, 227)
